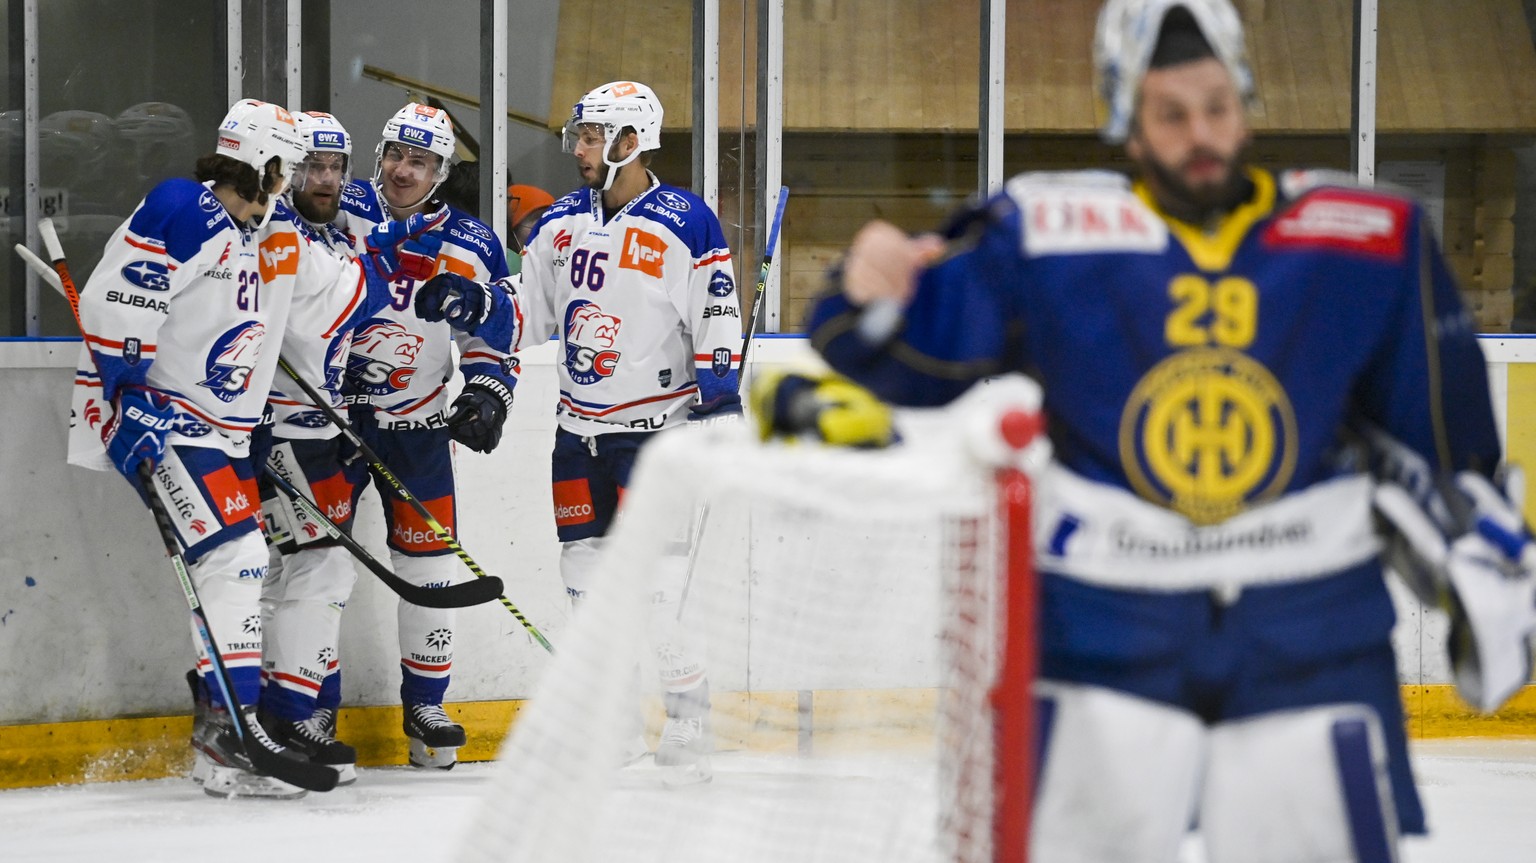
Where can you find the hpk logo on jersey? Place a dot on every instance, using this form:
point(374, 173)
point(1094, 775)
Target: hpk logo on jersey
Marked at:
point(278, 256)
point(415, 135)
point(149, 275)
point(562, 240)
point(232, 358)
point(721, 284)
point(643, 251)
point(590, 335)
point(383, 358)
point(669, 198)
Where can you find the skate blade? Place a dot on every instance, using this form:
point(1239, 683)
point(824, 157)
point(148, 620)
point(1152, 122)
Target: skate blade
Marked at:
point(635, 750)
point(201, 767)
point(683, 775)
point(440, 757)
point(227, 782)
point(346, 774)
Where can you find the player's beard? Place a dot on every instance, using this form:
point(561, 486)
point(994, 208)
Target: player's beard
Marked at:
point(315, 212)
point(1198, 204)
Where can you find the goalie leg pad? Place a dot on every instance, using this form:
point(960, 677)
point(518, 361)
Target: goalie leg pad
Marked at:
point(1117, 779)
point(1300, 785)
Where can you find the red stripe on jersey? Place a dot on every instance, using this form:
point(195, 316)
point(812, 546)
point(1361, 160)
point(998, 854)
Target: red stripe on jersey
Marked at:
point(482, 355)
point(573, 408)
point(157, 248)
point(359, 291)
point(293, 679)
point(243, 657)
point(713, 259)
point(419, 403)
point(209, 419)
point(709, 358)
point(422, 666)
point(144, 350)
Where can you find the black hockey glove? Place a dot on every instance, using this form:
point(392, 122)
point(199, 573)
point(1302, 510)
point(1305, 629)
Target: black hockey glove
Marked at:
point(479, 412)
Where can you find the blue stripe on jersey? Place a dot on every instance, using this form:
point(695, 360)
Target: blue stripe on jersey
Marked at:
point(182, 214)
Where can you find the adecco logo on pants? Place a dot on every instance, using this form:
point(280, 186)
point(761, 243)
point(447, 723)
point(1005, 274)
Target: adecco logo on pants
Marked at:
point(573, 502)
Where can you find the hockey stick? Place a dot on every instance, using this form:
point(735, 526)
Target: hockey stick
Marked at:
point(459, 595)
point(302, 773)
point(762, 282)
point(386, 475)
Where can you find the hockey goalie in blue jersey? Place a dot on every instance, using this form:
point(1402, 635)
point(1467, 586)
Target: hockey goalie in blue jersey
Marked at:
point(1223, 352)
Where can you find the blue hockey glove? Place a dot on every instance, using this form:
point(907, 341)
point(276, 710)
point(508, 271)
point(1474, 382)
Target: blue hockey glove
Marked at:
point(464, 303)
point(407, 249)
point(479, 413)
point(722, 410)
point(138, 429)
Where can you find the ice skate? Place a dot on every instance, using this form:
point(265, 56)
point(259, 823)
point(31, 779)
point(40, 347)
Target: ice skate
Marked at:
point(221, 764)
point(313, 738)
point(434, 738)
point(683, 755)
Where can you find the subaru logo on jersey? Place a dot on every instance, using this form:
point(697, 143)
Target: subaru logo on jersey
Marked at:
point(672, 199)
point(233, 356)
point(414, 135)
point(131, 351)
point(308, 419)
point(475, 228)
point(722, 362)
point(189, 426)
point(590, 334)
point(329, 141)
point(208, 202)
point(149, 275)
point(721, 285)
point(383, 357)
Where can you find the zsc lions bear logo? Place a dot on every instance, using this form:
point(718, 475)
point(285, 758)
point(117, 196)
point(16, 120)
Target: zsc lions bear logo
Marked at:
point(383, 358)
point(590, 334)
point(233, 356)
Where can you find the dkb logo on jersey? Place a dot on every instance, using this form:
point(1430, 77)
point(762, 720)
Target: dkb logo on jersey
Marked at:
point(589, 338)
point(149, 275)
point(643, 251)
point(233, 356)
point(383, 358)
point(1206, 432)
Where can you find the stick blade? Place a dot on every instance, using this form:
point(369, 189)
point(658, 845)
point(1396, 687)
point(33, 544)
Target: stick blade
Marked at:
point(462, 595)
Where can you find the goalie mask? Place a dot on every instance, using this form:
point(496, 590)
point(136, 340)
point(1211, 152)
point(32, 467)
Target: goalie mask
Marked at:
point(613, 108)
point(255, 133)
point(421, 127)
point(323, 135)
point(1127, 35)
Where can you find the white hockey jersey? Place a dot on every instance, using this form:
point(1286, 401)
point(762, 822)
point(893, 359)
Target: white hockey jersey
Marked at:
point(320, 362)
point(400, 363)
point(187, 302)
point(645, 307)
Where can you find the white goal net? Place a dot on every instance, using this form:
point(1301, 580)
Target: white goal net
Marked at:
point(850, 609)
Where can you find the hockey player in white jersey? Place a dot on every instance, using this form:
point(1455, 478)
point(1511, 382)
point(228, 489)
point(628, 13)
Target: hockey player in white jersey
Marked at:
point(311, 575)
point(397, 381)
point(635, 277)
point(177, 320)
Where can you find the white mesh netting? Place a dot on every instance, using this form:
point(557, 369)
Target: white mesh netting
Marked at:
point(845, 604)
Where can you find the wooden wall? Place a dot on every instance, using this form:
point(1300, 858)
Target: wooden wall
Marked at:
point(881, 102)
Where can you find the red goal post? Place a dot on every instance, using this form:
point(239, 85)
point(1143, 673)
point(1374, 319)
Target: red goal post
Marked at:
point(866, 622)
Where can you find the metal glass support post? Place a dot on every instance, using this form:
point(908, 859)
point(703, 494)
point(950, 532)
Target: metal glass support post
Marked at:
point(770, 140)
point(493, 116)
point(706, 101)
point(1362, 141)
point(989, 115)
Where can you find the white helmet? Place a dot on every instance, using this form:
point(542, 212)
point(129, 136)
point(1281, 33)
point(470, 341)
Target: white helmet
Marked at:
point(255, 132)
point(422, 126)
point(614, 107)
point(323, 133)
point(1127, 35)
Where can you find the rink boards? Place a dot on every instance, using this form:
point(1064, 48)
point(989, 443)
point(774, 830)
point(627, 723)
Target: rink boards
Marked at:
point(94, 634)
